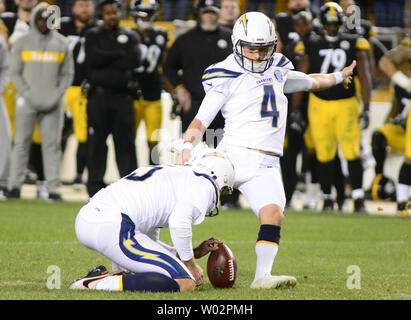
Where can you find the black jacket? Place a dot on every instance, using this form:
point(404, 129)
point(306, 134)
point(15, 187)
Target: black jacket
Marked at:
point(193, 52)
point(111, 55)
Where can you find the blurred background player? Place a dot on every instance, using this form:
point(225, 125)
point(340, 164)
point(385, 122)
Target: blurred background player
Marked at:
point(297, 116)
point(74, 28)
point(153, 46)
point(396, 65)
point(40, 51)
point(334, 113)
point(15, 24)
point(112, 53)
point(389, 135)
point(354, 23)
point(284, 23)
point(190, 54)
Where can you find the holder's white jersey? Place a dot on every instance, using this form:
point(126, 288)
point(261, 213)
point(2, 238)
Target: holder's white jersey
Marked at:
point(152, 196)
point(255, 107)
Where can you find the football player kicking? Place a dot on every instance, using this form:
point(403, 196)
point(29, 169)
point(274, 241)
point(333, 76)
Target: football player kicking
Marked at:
point(249, 87)
point(122, 223)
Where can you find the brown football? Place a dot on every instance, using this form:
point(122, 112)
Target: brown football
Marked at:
point(222, 267)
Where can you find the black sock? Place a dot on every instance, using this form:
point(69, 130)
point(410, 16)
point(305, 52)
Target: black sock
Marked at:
point(379, 144)
point(326, 175)
point(405, 174)
point(355, 170)
point(149, 281)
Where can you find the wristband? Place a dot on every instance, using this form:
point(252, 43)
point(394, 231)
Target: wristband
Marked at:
point(338, 77)
point(187, 145)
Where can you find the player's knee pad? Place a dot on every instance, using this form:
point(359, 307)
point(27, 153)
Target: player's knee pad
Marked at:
point(149, 281)
point(378, 142)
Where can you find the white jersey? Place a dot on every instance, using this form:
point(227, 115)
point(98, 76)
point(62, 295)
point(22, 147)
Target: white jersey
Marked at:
point(152, 196)
point(255, 107)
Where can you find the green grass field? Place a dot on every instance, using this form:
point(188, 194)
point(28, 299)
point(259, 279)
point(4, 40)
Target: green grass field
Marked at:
point(316, 248)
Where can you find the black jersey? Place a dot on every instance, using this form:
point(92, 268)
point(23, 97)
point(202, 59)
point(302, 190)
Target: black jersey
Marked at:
point(284, 24)
point(76, 38)
point(330, 57)
point(148, 74)
point(9, 22)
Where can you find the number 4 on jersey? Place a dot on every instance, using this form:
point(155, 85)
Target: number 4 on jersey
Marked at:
point(269, 105)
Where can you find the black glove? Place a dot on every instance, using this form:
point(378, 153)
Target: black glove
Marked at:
point(296, 120)
point(365, 117)
point(175, 109)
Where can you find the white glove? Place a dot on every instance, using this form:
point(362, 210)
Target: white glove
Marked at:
point(402, 80)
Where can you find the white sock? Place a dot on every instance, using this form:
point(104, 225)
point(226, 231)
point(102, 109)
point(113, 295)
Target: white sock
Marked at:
point(402, 192)
point(266, 252)
point(357, 194)
point(109, 283)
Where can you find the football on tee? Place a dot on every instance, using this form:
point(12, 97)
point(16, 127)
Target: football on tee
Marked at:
point(222, 267)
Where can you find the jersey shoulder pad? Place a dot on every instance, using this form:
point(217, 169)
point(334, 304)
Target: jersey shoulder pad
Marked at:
point(281, 61)
point(222, 70)
point(299, 48)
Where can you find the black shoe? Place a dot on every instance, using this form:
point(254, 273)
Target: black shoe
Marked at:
point(328, 205)
point(53, 196)
point(13, 194)
point(359, 206)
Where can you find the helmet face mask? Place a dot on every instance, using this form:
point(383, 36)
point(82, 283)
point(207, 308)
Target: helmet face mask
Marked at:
point(332, 18)
point(144, 13)
point(254, 33)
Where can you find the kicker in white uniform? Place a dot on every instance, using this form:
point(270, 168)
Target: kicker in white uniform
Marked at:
point(249, 88)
